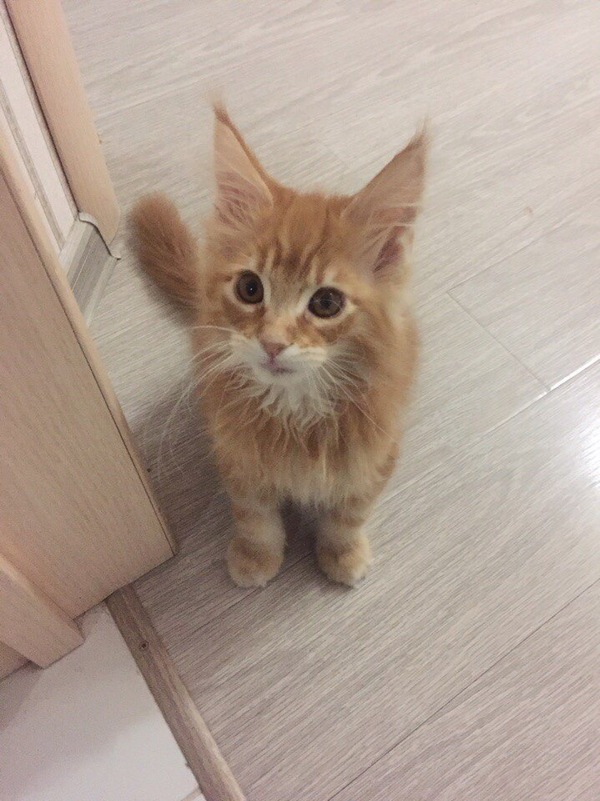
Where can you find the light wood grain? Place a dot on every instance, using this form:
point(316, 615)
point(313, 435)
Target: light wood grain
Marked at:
point(490, 525)
point(511, 92)
point(76, 519)
point(468, 385)
point(44, 39)
point(190, 731)
point(528, 729)
point(469, 559)
point(23, 199)
point(543, 303)
point(30, 623)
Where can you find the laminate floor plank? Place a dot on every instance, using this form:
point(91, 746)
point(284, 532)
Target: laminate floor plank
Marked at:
point(305, 685)
point(543, 303)
point(539, 708)
point(490, 525)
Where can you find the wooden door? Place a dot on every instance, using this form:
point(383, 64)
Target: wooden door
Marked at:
point(77, 518)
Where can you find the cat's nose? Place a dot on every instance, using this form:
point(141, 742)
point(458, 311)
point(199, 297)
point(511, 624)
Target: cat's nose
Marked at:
point(272, 348)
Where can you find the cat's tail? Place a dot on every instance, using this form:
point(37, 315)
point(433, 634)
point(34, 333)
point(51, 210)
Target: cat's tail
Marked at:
point(166, 248)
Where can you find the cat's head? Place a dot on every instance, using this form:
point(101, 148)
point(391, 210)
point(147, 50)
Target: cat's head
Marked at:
point(305, 285)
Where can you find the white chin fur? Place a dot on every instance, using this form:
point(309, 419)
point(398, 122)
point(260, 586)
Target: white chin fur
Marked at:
point(265, 376)
point(301, 395)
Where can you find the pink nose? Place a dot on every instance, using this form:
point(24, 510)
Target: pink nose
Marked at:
point(272, 349)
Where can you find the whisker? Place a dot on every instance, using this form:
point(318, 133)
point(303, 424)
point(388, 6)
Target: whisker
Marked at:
point(359, 407)
point(170, 419)
point(214, 347)
point(214, 328)
point(214, 370)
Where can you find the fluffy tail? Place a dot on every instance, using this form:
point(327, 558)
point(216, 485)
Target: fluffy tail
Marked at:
point(165, 248)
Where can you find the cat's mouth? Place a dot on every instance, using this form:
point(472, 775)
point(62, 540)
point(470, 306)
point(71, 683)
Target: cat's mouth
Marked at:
point(276, 369)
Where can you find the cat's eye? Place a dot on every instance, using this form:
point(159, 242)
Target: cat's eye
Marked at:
point(326, 302)
point(249, 288)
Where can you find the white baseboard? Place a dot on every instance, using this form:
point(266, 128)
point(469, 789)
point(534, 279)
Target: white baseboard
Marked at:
point(88, 263)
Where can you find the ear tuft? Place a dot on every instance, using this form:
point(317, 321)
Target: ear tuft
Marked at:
point(388, 205)
point(243, 193)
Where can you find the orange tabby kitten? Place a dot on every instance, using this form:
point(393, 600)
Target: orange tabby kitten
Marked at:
point(305, 342)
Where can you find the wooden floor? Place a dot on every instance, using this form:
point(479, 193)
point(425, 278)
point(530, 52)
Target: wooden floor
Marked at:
point(467, 666)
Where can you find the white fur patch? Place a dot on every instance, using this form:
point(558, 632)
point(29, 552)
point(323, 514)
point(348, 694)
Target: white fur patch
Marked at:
point(304, 394)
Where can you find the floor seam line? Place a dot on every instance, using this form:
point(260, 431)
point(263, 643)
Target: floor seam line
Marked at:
point(507, 350)
point(440, 709)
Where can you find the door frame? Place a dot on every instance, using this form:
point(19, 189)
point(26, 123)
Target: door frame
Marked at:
point(33, 625)
point(43, 36)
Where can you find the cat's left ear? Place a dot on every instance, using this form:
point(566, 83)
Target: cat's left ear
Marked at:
point(386, 208)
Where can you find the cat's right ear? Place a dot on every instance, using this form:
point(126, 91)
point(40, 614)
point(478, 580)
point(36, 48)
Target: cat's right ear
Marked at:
point(242, 185)
point(386, 208)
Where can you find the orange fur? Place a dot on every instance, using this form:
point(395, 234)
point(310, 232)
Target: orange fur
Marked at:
point(327, 433)
point(166, 248)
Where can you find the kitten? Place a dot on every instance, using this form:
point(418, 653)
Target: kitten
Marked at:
point(305, 343)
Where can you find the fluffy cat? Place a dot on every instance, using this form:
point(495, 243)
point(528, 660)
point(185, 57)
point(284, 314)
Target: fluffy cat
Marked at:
point(305, 344)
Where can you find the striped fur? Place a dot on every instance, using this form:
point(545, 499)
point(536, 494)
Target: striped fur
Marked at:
point(327, 431)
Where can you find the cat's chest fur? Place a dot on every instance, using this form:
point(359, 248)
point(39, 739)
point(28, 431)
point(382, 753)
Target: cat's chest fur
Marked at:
point(333, 460)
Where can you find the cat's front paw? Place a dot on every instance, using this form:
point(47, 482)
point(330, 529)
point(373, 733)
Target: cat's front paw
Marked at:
point(345, 563)
point(251, 564)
